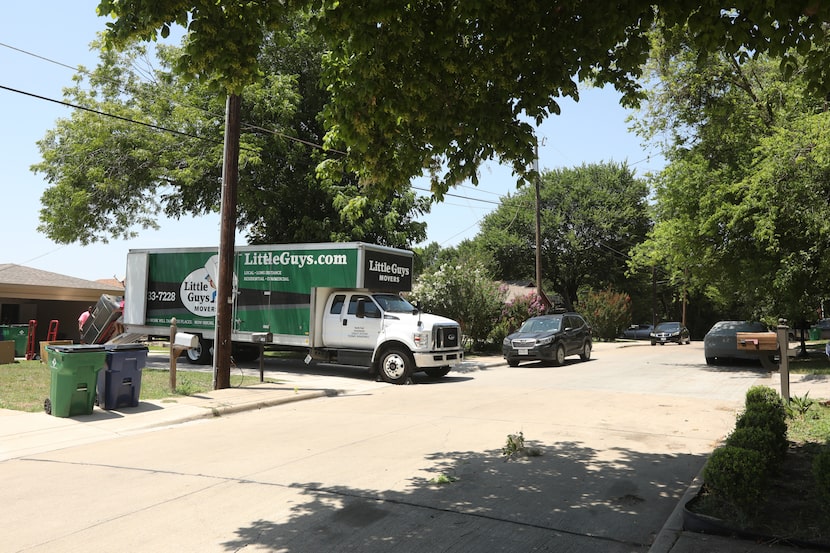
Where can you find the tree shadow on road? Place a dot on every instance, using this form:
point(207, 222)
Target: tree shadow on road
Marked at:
point(571, 495)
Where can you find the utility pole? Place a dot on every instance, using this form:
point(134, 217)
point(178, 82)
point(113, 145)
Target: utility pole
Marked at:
point(538, 179)
point(227, 229)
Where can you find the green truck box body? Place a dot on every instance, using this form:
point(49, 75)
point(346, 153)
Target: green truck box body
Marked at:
point(272, 283)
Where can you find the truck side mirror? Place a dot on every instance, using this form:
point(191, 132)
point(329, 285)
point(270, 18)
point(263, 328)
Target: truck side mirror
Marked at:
point(361, 308)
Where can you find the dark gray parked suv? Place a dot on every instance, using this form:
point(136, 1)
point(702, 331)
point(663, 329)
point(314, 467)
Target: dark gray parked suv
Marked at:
point(549, 338)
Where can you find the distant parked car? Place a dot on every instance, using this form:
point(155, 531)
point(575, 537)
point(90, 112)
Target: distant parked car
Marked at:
point(667, 332)
point(721, 342)
point(821, 329)
point(549, 338)
point(638, 332)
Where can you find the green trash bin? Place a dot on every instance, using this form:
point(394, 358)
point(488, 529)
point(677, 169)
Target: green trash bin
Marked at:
point(815, 334)
point(74, 375)
point(20, 334)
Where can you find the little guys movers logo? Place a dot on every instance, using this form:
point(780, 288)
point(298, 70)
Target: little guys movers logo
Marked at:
point(198, 291)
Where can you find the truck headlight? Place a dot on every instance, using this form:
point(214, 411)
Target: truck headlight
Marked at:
point(544, 341)
point(421, 339)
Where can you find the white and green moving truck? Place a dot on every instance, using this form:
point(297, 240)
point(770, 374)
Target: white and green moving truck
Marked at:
point(339, 301)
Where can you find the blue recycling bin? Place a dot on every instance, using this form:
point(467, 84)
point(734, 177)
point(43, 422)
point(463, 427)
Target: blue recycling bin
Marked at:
point(119, 384)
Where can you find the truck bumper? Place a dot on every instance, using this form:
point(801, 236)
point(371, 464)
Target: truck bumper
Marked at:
point(438, 359)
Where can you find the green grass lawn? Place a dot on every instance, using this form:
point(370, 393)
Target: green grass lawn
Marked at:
point(24, 385)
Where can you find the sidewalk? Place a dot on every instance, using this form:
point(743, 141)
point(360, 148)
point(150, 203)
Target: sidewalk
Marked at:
point(23, 434)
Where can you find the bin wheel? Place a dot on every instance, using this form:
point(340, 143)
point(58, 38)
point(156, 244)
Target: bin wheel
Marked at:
point(47, 406)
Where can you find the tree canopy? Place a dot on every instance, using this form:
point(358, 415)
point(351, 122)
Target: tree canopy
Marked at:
point(441, 87)
point(742, 208)
point(163, 154)
point(591, 216)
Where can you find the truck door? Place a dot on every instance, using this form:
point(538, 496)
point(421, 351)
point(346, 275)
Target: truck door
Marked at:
point(354, 324)
point(332, 329)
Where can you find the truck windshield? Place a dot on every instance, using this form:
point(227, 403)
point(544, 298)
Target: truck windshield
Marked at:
point(393, 303)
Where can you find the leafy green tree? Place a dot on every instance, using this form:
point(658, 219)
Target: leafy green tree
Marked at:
point(590, 217)
point(464, 292)
point(113, 175)
point(444, 86)
point(742, 207)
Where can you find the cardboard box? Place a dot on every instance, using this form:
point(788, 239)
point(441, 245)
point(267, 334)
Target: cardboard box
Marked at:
point(6, 352)
point(44, 355)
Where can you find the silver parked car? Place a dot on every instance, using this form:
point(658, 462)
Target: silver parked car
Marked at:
point(638, 332)
point(721, 342)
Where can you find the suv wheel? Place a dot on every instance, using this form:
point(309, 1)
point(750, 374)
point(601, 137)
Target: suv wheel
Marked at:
point(560, 355)
point(586, 351)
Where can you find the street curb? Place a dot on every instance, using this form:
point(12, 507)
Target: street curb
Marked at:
point(670, 532)
point(212, 411)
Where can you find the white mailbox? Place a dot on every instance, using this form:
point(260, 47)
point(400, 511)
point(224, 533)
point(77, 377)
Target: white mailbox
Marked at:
point(261, 337)
point(185, 340)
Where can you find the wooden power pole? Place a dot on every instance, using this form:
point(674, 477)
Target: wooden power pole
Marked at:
point(538, 178)
point(227, 230)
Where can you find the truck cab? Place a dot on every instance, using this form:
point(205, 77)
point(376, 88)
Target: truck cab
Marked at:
point(385, 332)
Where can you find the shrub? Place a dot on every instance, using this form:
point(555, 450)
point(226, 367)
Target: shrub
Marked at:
point(736, 475)
point(769, 420)
point(518, 310)
point(765, 409)
point(465, 293)
point(763, 395)
point(607, 311)
point(761, 440)
point(821, 472)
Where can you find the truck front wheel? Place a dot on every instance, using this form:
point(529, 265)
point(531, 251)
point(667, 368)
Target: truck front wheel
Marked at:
point(395, 366)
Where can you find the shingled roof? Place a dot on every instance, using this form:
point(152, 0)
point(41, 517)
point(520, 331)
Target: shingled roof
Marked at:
point(17, 281)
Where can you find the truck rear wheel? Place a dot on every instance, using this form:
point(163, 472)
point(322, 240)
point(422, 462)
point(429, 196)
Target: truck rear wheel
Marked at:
point(244, 353)
point(395, 366)
point(200, 355)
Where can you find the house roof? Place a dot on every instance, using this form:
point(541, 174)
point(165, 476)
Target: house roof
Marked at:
point(20, 282)
point(518, 289)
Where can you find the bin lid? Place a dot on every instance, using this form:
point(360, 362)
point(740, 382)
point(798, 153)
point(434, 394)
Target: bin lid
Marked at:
point(76, 348)
point(123, 347)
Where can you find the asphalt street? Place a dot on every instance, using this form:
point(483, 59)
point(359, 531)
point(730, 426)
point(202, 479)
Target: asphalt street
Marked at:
point(327, 459)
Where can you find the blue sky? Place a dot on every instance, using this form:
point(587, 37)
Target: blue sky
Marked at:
point(594, 130)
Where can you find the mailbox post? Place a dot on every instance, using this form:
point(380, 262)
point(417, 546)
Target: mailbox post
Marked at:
point(766, 344)
point(261, 338)
point(784, 358)
point(179, 342)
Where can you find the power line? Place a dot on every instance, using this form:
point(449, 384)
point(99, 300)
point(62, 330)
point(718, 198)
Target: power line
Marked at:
point(10, 47)
point(78, 69)
point(458, 196)
point(112, 115)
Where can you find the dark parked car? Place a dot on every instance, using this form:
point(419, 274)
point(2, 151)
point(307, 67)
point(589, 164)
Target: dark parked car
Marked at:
point(672, 331)
point(721, 342)
point(549, 338)
point(638, 332)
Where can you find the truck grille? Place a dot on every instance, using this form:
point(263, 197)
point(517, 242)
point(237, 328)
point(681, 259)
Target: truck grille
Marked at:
point(447, 337)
